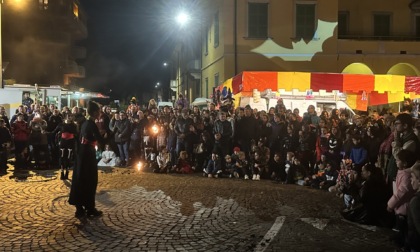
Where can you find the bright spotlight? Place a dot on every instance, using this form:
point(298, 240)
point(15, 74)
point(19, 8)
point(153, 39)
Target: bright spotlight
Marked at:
point(182, 18)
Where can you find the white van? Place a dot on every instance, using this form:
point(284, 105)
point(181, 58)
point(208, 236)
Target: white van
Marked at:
point(201, 103)
point(163, 104)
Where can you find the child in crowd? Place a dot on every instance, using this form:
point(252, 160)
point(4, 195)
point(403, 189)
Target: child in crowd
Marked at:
point(235, 155)
point(289, 168)
point(358, 153)
point(163, 160)
point(402, 194)
point(259, 166)
point(242, 166)
point(413, 214)
point(108, 157)
point(277, 168)
point(319, 171)
point(229, 167)
point(329, 178)
point(183, 165)
point(213, 167)
point(299, 171)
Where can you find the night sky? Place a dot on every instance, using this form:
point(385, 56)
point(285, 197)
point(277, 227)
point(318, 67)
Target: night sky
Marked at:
point(127, 44)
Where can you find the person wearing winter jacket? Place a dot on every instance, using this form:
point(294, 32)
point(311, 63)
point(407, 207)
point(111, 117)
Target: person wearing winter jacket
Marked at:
point(122, 129)
point(20, 133)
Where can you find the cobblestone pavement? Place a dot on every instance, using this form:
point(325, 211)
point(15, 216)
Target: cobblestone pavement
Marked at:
point(158, 212)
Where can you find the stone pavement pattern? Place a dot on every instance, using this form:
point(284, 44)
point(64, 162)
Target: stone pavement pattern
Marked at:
point(156, 212)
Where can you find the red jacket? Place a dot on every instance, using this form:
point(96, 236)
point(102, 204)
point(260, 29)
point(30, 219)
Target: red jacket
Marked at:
point(20, 131)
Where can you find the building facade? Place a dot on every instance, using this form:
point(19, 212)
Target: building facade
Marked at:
point(346, 36)
point(39, 41)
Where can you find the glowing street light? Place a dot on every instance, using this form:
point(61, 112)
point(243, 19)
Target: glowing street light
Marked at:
point(165, 64)
point(182, 18)
point(157, 84)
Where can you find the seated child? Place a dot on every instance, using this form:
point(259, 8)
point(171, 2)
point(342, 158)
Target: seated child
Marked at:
point(183, 165)
point(259, 166)
point(330, 176)
point(108, 157)
point(229, 169)
point(242, 166)
point(213, 167)
point(299, 171)
point(163, 160)
point(289, 168)
point(277, 168)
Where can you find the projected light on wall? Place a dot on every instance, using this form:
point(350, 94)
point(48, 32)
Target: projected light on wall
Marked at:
point(301, 51)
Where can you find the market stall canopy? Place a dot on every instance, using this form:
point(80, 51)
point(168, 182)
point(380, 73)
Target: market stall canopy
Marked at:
point(364, 89)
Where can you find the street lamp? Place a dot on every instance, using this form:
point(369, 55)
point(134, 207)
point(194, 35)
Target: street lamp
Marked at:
point(165, 64)
point(182, 18)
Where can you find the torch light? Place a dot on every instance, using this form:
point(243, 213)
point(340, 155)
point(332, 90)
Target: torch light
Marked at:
point(155, 129)
point(139, 166)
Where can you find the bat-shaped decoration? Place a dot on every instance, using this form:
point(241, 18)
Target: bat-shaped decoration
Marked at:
point(301, 50)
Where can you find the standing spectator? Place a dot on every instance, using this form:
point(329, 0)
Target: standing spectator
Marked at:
point(20, 133)
point(53, 121)
point(413, 213)
point(404, 139)
point(310, 117)
point(21, 110)
point(246, 129)
point(39, 141)
point(184, 135)
point(223, 134)
point(85, 174)
point(5, 140)
point(278, 127)
point(122, 129)
point(373, 144)
point(3, 116)
point(385, 149)
point(138, 126)
point(402, 194)
point(102, 123)
point(27, 100)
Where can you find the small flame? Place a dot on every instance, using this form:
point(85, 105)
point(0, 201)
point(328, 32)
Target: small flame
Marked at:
point(139, 166)
point(155, 129)
point(96, 147)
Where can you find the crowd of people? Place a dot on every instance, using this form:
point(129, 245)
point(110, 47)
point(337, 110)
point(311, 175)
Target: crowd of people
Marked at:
point(368, 160)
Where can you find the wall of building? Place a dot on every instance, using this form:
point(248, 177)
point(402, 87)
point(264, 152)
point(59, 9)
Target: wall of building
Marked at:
point(334, 55)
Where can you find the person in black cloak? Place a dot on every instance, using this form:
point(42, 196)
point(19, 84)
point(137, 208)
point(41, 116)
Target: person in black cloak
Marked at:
point(85, 173)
